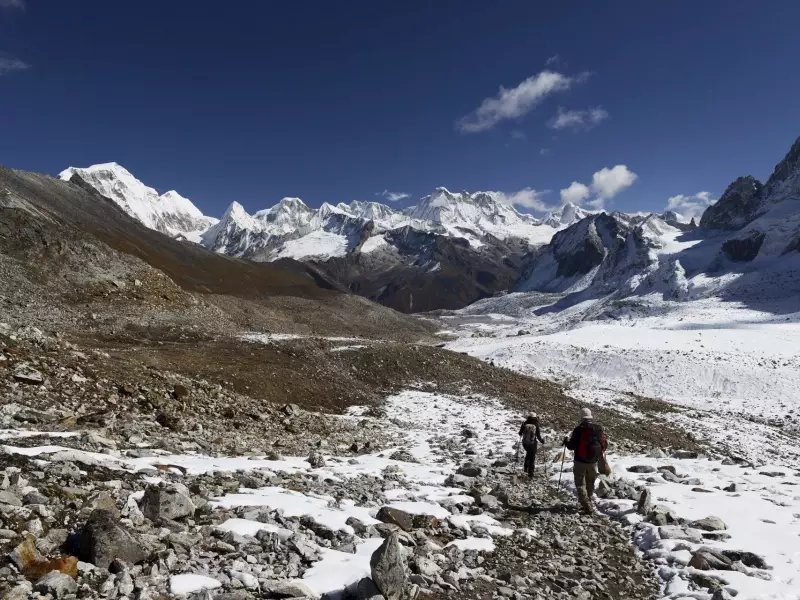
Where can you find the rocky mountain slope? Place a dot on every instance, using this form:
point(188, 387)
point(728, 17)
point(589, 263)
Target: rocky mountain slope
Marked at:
point(68, 253)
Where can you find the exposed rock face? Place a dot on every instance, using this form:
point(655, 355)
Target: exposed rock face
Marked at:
point(744, 249)
point(737, 206)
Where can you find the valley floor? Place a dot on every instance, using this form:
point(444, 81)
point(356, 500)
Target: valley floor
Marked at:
point(727, 375)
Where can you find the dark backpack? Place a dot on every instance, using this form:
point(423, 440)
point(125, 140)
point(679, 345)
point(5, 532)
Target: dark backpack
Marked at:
point(529, 434)
point(590, 446)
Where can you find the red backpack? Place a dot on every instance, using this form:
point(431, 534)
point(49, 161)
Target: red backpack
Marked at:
point(592, 443)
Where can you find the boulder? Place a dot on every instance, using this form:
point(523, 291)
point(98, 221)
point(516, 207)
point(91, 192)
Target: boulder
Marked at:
point(645, 503)
point(168, 502)
point(706, 559)
point(388, 569)
point(675, 532)
point(104, 539)
point(469, 470)
point(316, 459)
point(709, 524)
point(56, 584)
point(641, 469)
point(24, 373)
point(685, 454)
point(367, 590)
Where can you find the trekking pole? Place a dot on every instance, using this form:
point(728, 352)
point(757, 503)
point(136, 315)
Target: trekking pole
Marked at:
point(563, 456)
point(516, 458)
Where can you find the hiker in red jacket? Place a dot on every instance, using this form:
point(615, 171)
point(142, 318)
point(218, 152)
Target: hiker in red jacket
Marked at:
point(588, 441)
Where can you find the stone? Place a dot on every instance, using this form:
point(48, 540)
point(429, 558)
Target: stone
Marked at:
point(645, 503)
point(21, 591)
point(56, 584)
point(367, 590)
point(675, 532)
point(388, 569)
point(469, 470)
point(721, 594)
point(170, 502)
point(291, 410)
point(10, 498)
point(316, 459)
point(290, 589)
point(709, 524)
point(395, 516)
point(706, 559)
point(641, 469)
point(35, 497)
point(170, 421)
point(104, 539)
point(730, 488)
point(179, 391)
point(685, 454)
point(24, 373)
point(748, 559)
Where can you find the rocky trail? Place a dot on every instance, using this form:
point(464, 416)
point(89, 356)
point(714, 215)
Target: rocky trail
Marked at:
point(161, 485)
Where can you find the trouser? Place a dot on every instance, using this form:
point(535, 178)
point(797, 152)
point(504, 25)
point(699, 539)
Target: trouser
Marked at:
point(530, 458)
point(585, 476)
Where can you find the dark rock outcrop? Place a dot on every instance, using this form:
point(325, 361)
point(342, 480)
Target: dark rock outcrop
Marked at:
point(744, 249)
point(737, 206)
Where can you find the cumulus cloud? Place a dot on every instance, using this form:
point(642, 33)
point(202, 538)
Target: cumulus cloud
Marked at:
point(578, 119)
point(9, 65)
point(690, 206)
point(12, 4)
point(527, 198)
point(393, 196)
point(512, 103)
point(576, 193)
point(607, 183)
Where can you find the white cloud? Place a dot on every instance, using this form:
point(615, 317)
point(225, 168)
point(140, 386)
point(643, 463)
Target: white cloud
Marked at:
point(578, 119)
point(576, 193)
point(12, 4)
point(393, 196)
point(528, 198)
point(607, 183)
point(9, 65)
point(544, 151)
point(518, 135)
point(552, 60)
point(690, 206)
point(515, 102)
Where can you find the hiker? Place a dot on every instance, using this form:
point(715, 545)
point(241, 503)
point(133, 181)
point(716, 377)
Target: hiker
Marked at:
point(531, 436)
point(588, 442)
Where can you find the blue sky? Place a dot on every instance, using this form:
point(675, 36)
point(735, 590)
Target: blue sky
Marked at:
point(634, 101)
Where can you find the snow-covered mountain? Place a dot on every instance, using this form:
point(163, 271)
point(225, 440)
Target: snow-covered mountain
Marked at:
point(169, 213)
point(747, 250)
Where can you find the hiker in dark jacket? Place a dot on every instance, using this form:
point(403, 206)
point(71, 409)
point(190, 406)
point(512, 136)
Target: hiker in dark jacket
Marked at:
point(531, 436)
point(588, 442)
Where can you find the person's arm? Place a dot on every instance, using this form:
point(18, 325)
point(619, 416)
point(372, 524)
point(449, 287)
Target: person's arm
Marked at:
point(575, 439)
point(539, 435)
point(521, 429)
point(603, 440)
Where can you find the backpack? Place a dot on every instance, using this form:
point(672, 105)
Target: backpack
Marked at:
point(590, 446)
point(529, 434)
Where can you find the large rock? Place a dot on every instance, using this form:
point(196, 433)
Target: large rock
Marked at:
point(367, 590)
point(675, 532)
point(645, 502)
point(744, 248)
point(104, 539)
point(706, 559)
point(56, 584)
point(388, 568)
point(404, 520)
point(169, 502)
point(709, 524)
point(24, 373)
point(641, 469)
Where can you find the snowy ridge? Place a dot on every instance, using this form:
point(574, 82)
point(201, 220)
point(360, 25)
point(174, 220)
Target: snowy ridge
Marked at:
point(265, 234)
point(169, 213)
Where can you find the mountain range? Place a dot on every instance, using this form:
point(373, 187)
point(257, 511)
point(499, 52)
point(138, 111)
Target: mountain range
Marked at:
point(452, 249)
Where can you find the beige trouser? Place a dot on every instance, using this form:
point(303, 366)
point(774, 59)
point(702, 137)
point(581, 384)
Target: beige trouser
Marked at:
point(585, 475)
